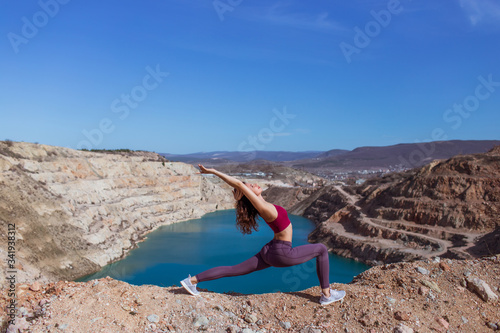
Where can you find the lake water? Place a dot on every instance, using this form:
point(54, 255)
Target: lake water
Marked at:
point(172, 252)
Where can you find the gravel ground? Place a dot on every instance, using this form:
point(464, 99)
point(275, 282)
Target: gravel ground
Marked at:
point(422, 296)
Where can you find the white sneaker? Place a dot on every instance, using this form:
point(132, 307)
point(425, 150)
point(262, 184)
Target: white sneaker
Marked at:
point(191, 288)
point(335, 295)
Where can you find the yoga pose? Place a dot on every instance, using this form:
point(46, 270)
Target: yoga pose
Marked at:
point(278, 252)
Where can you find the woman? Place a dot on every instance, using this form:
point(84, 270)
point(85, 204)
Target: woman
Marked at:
point(278, 252)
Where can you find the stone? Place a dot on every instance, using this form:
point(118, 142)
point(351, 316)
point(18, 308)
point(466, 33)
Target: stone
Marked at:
point(38, 311)
point(391, 300)
point(443, 322)
point(35, 286)
point(200, 321)
point(251, 318)
point(367, 320)
point(422, 271)
point(232, 329)
point(401, 316)
point(464, 320)
point(482, 289)
point(63, 326)
point(153, 318)
point(444, 266)
point(285, 324)
point(431, 285)
point(493, 326)
point(423, 290)
point(401, 328)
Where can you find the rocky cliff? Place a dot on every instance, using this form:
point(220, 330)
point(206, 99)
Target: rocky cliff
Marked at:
point(73, 212)
point(422, 296)
point(461, 192)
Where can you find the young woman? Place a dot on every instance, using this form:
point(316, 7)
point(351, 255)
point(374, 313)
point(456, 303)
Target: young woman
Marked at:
point(278, 252)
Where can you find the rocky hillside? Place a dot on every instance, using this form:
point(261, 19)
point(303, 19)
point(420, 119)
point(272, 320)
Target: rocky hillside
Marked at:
point(73, 212)
point(461, 192)
point(447, 208)
point(422, 296)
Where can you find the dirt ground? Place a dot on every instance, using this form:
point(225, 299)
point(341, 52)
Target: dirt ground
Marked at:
point(421, 296)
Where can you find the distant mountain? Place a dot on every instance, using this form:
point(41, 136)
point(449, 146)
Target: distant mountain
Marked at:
point(333, 152)
point(406, 155)
point(326, 163)
point(222, 157)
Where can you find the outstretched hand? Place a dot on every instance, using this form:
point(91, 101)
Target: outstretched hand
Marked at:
point(205, 170)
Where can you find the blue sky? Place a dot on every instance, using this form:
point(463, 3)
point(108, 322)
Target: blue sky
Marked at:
point(184, 76)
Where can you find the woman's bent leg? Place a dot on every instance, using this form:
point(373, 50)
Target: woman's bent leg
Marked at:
point(255, 263)
point(320, 252)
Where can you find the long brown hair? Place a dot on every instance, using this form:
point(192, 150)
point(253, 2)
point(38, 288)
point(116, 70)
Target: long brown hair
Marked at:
point(246, 216)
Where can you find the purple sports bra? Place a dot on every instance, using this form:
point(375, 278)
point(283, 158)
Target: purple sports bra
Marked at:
point(281, 222)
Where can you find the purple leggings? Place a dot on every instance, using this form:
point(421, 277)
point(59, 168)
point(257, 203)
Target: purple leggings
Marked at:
point(276, 253)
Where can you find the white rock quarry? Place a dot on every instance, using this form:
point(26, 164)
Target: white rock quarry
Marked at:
point(77, 211)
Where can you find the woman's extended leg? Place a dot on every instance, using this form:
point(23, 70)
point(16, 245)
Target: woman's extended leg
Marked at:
point(255, 263)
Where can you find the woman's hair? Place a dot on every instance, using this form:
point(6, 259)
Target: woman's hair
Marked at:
point(246, 216)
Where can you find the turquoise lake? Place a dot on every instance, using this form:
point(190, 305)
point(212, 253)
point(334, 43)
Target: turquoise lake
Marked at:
point(172, 252)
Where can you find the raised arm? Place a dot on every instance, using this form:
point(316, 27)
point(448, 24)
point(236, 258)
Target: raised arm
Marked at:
point(265, 209)
point(231, 181)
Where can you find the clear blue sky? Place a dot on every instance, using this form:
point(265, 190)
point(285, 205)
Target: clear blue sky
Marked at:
point(184, 76)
